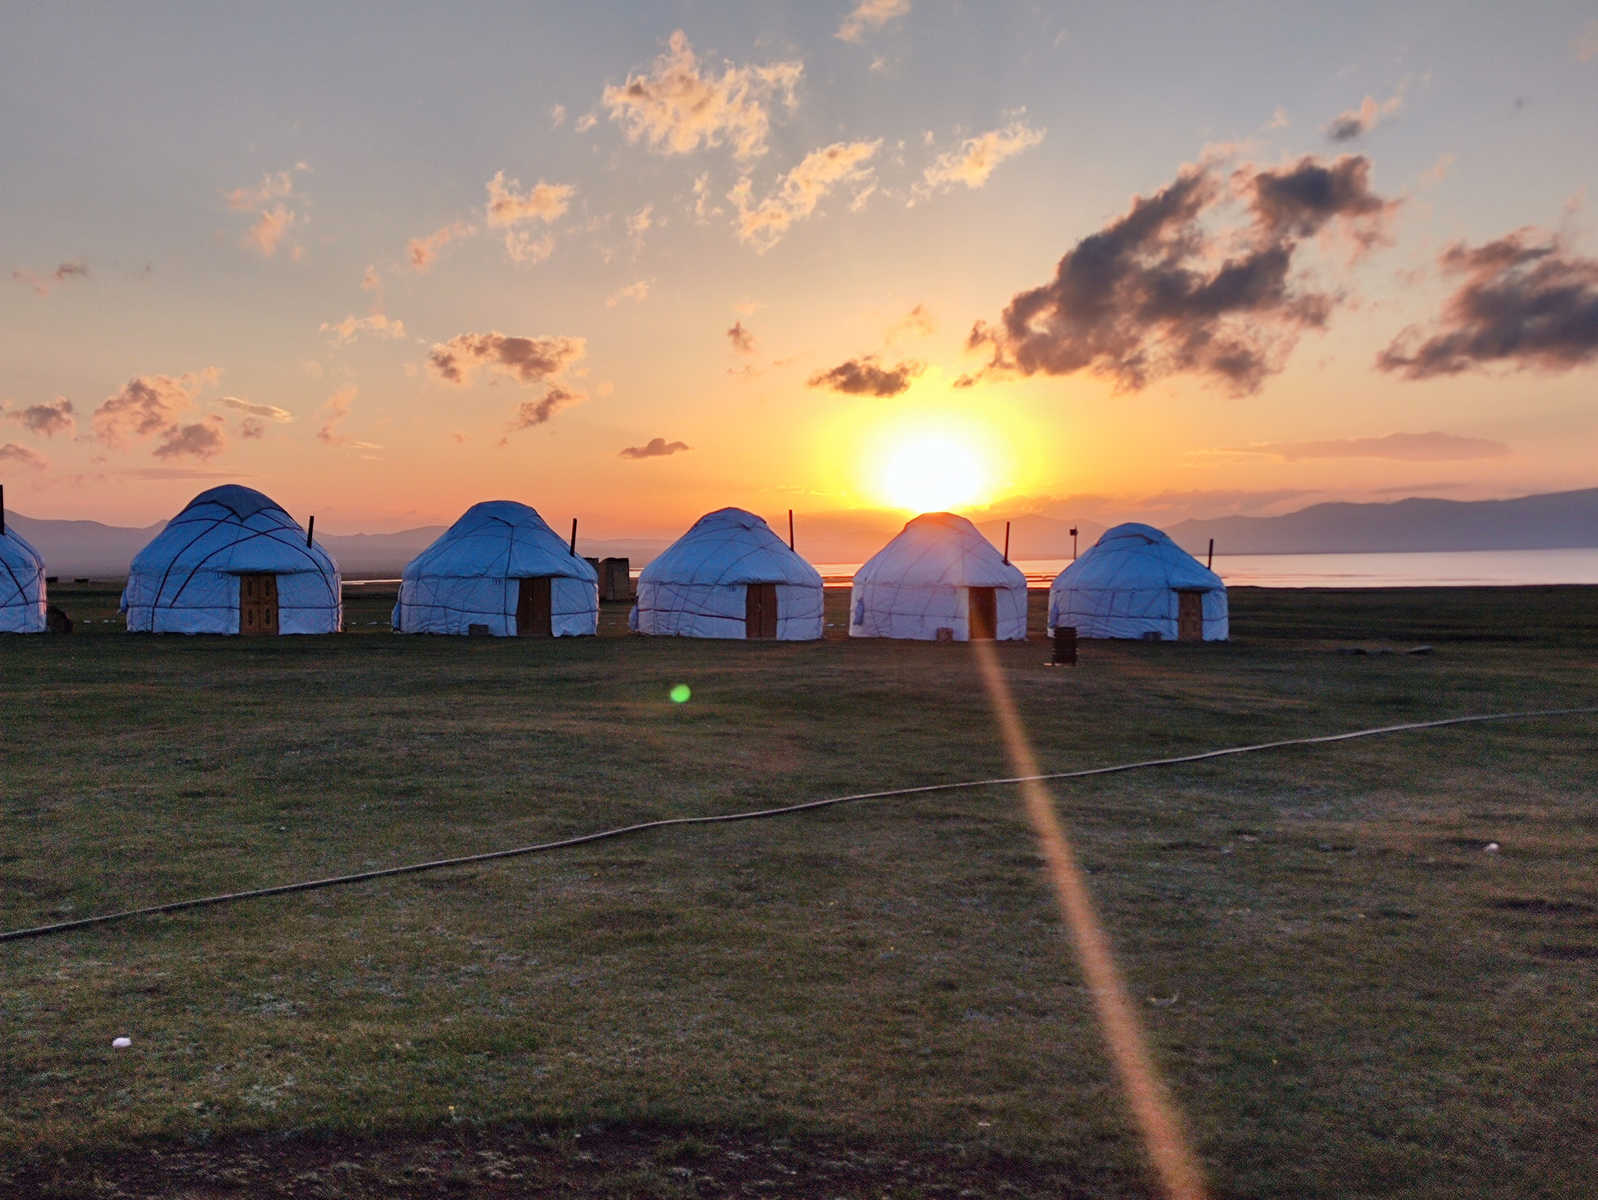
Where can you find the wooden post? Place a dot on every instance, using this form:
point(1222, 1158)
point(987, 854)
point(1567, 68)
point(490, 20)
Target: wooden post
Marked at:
point(1211, 559)
point(1007, 541)
point(574, 538)
point(310, 528)
point(790, 529)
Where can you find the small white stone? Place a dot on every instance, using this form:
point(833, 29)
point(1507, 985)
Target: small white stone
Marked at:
point(1491, 847)
point(121, 1043)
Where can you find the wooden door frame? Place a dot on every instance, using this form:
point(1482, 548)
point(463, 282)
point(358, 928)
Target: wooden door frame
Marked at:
point(1197, 603)
point(527, 594)
point(756, 606)
point(990, 612)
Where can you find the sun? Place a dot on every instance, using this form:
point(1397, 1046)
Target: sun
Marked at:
point(932, 470)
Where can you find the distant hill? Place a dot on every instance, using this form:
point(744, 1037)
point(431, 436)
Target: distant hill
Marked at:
point(1550, 521)
point(83, 548)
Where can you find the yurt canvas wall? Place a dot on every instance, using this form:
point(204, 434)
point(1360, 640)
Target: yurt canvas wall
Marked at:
point(1136, 582)
point(729, 576)
point(939, 573)
point(233, 562)
point(501, 568)
point(22, 586)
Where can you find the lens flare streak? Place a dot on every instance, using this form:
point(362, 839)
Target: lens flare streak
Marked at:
point(1158, 1120)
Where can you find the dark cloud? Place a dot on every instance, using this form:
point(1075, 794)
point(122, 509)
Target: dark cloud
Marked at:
point(526, 360)
point(742, 340)
point(1407, 447)
point(1298, 201)
point(203, 439)
point(148, 404)
point(654, 448)
point(1157, 292)
point(865, 377)
point(1357, 122)
point(46, 419)
point(1523, 303)
point(22, 456)
point(537, 412)
point(42, 283)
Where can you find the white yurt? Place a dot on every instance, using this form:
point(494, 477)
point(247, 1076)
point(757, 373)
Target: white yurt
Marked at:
point(233, 562)
point(938, 574)
point(1136, 582)
point(22, 590)
point(502, 569)
point(729, 576)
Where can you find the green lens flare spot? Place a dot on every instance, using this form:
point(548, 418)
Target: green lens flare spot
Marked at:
point(680, 694)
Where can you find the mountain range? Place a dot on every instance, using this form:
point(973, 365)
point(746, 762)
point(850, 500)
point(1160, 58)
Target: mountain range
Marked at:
point(1551, 520)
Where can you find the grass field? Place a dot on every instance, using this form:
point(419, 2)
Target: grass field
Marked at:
point(1348, 993)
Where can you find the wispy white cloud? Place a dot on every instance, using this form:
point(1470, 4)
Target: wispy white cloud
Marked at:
point(1406, 447)
point(1586, 42)
point(421, 251)
point(798, 192)
point(267, 201)
point(375, 324)
point(679, 107)
point(507, 205)
point(523, 249)
point(975, 159)
point(633, 291)
point(870, 15)
point(270, 411)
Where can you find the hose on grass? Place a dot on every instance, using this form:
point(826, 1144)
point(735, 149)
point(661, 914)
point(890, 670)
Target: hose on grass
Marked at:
point(311, 885)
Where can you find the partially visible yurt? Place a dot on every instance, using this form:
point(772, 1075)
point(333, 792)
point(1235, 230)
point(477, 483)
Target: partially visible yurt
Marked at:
point(499, 570)
point(233, 562)
point(1136, 582)
point(729, 576)
point(22, 589)
point(938, 578)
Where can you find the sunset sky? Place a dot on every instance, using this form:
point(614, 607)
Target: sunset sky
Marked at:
point(638, 261)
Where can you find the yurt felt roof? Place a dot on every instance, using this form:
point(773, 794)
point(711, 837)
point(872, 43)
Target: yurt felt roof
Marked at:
point(940, 549)
point(730, 547)
point(503, 539)
point(231, 530)
point(1133, 556)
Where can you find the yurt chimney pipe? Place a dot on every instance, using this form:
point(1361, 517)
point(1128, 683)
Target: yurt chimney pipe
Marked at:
point(1209, 560)
point(2, 510)
point(1007, 542)
point(310, 528)
point(1073, 543)
point(790, 529)
point(574, 538)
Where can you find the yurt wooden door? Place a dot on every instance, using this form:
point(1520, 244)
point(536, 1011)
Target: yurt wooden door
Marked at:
point(1190, 616)
point(533, 612)
point(760, 610)
point(257, 604)
point(983, 615)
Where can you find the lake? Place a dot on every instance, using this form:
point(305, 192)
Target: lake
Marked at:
point(1433, 568)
